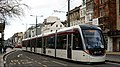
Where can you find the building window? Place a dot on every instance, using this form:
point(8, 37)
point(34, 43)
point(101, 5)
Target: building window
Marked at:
point(60, 25)
point(84, 12)
point(102, 1)
point(81, 13)
point(102, 12)
point(56, 25)
point(51, 30)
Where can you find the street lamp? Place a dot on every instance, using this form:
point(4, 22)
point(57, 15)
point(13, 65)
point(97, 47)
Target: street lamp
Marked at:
point(36, 29)
point(36, 21)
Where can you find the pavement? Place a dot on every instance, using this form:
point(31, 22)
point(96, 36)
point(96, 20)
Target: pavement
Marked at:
point(113, 57)
point(110, 56)
point(1, 60)
point(3, 54)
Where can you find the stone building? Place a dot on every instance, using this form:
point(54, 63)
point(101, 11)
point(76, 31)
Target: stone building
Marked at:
point(89, 10)
point(17, 38)
point(74, 16)
point(52, 24)
point(31, 31)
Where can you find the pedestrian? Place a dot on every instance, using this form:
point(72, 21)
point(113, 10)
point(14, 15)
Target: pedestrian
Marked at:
point(4, 49)
point(0, 49)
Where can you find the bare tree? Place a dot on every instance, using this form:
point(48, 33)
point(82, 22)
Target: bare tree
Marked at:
point(10, 9)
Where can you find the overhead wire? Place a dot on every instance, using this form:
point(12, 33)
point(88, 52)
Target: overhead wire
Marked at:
point(61, 7)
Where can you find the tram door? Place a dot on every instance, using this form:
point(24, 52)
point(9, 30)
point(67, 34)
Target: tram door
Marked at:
point(44, 45)
point(69, 49)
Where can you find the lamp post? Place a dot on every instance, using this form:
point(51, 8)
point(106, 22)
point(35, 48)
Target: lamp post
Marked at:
point(68, 13)
point(36, 29)
point(36, 21)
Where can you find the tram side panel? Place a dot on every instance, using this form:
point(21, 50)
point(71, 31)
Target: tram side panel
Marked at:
point(50, 47)
point(39, 45)
point(32, 44)
point(24, 43)
point(78, 53)
point(61, 46)
point(27, 45)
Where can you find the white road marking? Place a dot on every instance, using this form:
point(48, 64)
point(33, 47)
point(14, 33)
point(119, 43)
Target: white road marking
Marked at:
point(29, 62)
point(60, 63)
point(39, 63)
point(9, 54)
point(19, 55)
point(45, 61)
point(45, 65)
point(18, 62)
point(45, 58)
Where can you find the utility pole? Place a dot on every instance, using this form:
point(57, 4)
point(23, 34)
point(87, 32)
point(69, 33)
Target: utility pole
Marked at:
point(36, 25)
point(36, 30)
point(68, 13)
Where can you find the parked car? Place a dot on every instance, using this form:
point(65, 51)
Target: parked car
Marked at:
point(18, 46)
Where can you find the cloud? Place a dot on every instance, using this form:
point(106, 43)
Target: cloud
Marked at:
point(39, 7)
point(43, 3)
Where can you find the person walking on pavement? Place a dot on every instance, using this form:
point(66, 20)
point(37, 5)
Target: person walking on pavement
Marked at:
point(0, 48)
point(4, 49)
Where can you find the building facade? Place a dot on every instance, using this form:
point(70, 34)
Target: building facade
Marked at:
point(118, 14)
point(74, 16)
point(107, 13)
point(17, 38)
point(89, 11)
point(83, 17)
point(31, 31)
point(52, 24)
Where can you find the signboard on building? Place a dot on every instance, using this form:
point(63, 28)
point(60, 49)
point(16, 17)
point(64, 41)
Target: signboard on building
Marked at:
point(95, 21)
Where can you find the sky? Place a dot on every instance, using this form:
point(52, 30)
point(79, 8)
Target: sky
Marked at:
point(37, 8)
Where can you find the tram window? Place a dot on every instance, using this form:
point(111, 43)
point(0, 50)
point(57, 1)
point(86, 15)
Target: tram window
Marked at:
point(45, 42)
point(61, 42)
point(51, 42)
point(39, 42)
point(33, 42)
point(77, 42)
point(28, 45)
point(24, 43)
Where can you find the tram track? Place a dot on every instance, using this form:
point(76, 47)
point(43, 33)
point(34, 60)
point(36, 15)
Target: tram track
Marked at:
point(22, 58)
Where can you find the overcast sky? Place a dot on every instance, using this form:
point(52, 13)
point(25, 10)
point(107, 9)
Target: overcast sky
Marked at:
point(39, 7)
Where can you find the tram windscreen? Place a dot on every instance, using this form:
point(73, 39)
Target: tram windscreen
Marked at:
point(93, 39)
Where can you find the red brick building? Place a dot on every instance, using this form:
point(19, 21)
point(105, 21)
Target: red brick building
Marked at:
point(106, 12)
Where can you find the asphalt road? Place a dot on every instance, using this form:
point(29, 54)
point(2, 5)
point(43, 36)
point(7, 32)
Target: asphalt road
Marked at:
point(20, 58)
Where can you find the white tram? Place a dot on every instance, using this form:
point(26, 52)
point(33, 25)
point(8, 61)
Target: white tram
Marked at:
point(84, 43)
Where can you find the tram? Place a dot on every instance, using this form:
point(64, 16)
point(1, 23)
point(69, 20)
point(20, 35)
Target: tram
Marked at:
point(84, 43)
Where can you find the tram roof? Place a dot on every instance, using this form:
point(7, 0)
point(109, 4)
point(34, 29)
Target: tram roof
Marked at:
point(89, 27)
point(61, 30)
point(65, 29)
